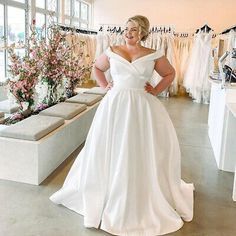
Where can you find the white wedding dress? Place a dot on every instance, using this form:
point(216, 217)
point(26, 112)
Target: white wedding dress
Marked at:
point(127, 180)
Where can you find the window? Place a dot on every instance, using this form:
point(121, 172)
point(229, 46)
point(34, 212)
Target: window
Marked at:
point(40, 4)
point(67, 7)
point(2, 51)
point(84, 11)
point(40, 24)
point(83, 25)
point(77, 13)
point(52, 5)
point(12, 30)
point(46, 14)
point(67, 21)
point(77, 8)
point(16, 29)
point(14, 21)
point(16, 25)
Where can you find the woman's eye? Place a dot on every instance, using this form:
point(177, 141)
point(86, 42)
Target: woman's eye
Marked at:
point(131, 30)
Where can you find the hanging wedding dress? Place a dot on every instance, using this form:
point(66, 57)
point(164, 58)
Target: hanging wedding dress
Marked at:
point(200, 63)
point(230, 61)
point(171, 55)
point(127, 178)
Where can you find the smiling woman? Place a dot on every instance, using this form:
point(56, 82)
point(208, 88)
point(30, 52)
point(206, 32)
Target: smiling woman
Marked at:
point(142, 26)
point(120, 169)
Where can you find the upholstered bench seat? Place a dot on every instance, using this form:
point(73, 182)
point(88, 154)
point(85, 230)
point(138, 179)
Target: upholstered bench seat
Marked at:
point(87, 99)
point(7, 107)
point(32, 128)
point(96, 90)
point(64, 110)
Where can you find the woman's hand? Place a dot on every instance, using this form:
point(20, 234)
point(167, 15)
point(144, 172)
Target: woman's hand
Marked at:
point(109, 85)
point(148, 87)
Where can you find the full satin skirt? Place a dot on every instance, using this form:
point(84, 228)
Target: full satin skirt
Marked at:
point(127, 178)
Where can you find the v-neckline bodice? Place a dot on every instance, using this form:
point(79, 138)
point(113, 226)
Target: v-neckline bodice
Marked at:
point(134, 61)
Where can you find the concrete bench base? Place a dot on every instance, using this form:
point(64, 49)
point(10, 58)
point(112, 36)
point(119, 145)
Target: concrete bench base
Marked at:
point(32, 161)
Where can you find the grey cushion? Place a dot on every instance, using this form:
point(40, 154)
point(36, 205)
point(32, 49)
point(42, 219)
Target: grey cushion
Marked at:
point(1, 114)
point(32, 128)
point(88, 99)
point(7, 107)
point(96, 90)
point(64, 110)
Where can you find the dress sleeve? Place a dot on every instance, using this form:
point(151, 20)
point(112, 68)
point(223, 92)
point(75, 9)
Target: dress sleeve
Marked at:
point(108, 52)
point(158, 54)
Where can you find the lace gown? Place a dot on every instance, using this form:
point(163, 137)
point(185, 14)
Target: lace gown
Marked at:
point(127, 180)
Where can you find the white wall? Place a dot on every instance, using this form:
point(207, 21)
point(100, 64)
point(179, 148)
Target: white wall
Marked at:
point(184, 15)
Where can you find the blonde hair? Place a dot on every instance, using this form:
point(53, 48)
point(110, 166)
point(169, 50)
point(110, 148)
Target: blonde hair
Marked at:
point(143, 24)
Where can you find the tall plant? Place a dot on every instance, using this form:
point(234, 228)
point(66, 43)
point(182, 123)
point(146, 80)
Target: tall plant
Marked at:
point(24, 73)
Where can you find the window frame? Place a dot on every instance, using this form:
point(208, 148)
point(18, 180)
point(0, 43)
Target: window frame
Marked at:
point(6, 4)
point(72, 18)
point(30, 15)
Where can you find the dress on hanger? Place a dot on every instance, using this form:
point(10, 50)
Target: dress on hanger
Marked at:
point(230, 45)
point(171, 56)
point(200, 63)
point(127, 178)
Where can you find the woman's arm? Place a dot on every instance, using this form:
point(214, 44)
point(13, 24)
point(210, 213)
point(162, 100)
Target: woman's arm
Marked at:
point(101, 65)
point(166, 71)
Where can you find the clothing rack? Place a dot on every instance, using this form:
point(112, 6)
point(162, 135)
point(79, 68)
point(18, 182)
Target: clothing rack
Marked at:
point(161, 29)
point(111, 28)
point(77, 30)
point(183, 34)
point(229, 29)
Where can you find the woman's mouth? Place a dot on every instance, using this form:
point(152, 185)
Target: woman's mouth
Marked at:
point(129, 37)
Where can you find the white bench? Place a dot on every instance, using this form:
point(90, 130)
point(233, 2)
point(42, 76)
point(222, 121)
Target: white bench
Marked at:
point(230, 141)
point(32, 161)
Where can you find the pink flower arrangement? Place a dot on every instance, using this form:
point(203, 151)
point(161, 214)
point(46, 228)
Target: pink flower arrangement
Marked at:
point(24, 74)
point(76, 73)
point(48, 61)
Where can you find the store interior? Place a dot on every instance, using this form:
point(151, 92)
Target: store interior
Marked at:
point(41, 44)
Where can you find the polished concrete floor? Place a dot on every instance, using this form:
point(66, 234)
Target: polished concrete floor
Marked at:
point(25, 210)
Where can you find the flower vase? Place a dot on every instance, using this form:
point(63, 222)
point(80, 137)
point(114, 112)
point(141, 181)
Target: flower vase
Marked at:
point(70, 89)
point(26, 113)
point(25, 109)
point(51, 97)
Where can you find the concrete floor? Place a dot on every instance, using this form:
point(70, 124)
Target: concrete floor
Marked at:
point(25, 210)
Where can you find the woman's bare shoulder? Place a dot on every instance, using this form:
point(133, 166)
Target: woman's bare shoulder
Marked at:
point(117, 48)
point(148, 50)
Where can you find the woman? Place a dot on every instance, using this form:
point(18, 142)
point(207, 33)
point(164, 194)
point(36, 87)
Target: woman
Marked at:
point(126, 180)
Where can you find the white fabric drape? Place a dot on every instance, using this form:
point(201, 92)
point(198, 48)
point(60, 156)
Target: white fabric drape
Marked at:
point(197, 73)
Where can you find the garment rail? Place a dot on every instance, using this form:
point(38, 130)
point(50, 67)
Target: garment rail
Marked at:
point(110, 28)
point(77, 30)
point(161, 29)
point(229, 29)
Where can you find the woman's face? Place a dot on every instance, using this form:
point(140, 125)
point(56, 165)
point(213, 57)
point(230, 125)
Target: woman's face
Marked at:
point(131, 33)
